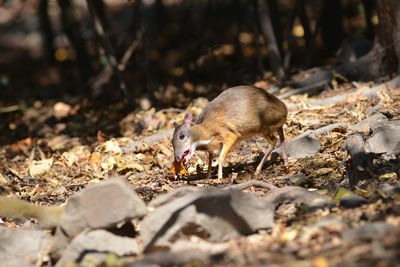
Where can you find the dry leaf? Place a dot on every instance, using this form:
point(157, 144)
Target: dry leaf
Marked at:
point(178, 168)
point(95, 159)
point(3, 180)
point(110, 146)
point(320, 262)
point(108, 163)
point(131, 166)
point(38, 167)
point(79, 154)
point(61, 110)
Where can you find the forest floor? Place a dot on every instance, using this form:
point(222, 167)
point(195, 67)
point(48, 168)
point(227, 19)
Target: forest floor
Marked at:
point(51, 150)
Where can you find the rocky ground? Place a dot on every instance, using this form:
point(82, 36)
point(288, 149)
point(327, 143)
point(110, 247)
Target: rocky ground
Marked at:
point(336, 202)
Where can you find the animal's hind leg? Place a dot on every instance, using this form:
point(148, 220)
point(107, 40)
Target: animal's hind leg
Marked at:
point(210, 158)
point(271, 145)
point(283, 145)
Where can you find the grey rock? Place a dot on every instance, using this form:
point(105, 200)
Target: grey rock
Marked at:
point(361, 158)
point(385, 138)
point(298, 195)
point(374, 110)
point(330, 223)
point(21, 247)
point(213, 214)
point(352, 201)
point(170, 258)
point(298, 179)
point(97, 243)
point(369, 231)
point(102, 205)
point(370, 122)
point(302, 146)
point(391, 190)
point(61, 241)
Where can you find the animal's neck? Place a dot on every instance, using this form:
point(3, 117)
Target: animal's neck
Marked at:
point(200, 135)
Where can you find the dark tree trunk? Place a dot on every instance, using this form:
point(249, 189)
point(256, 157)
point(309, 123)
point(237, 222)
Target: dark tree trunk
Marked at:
point(274, 55)
point(71, 28)
point(387, 42)
point(47, 31)
point(308, 34)
point(368, 7)
point(331, 24)
point(276, 24)
point(381, 62)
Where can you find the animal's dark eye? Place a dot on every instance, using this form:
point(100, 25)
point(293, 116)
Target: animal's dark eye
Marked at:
point(181, 136)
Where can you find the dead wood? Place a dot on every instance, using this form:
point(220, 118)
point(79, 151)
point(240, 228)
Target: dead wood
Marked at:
point(360, 70)
point(369, 93)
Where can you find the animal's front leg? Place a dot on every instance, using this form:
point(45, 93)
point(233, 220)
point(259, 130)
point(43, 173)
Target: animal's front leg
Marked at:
point(227, 144)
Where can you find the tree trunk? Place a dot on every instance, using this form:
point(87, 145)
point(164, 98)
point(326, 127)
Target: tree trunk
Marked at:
point(331, 24)
point(381, 62)
point(47, 30)
point(387, 42)
point(274, 55)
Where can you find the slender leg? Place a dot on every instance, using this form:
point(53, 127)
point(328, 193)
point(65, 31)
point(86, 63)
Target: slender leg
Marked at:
point(210, 158)
point(271, 145)
point(283, 145)
point(227, 144)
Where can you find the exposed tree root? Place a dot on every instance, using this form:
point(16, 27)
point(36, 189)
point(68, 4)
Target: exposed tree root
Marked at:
point(365, 68)
point(369, 93)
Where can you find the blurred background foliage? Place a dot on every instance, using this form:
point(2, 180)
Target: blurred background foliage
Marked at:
point(119, 49)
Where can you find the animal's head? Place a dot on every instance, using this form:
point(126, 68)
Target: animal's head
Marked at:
point(182, 139)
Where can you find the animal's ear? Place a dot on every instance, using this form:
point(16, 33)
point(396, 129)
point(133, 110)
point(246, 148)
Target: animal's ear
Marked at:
point(188, 120)
point(175, 124)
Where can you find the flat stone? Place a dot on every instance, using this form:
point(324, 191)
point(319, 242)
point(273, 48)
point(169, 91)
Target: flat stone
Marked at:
point(298, 195)
point(352, 201)
point(369, 231)
point(102, 205)
point(97, 243)
point(385, 138)
point(21, 247)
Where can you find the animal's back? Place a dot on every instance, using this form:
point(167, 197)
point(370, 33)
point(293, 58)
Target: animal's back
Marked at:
point(244, 110)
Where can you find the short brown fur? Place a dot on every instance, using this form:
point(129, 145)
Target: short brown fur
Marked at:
point(236, 114)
